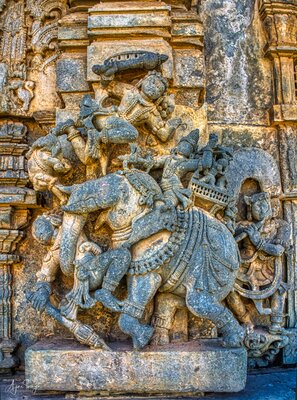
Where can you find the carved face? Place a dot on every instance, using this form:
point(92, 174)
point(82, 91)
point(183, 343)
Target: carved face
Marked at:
point(184, 148)
point(261, 209)
point(153, 87)
point(45, 229)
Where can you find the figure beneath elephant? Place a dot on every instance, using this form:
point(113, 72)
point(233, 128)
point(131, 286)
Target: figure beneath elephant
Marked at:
point(92, 270)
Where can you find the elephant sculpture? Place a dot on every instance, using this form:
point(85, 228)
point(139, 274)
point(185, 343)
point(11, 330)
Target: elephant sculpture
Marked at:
point(185, 252)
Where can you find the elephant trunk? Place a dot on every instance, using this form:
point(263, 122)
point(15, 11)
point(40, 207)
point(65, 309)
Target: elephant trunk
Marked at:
point(71, 230)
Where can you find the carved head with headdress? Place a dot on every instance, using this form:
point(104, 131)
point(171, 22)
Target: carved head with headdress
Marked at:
point(45, 228)
point(153, 85)
point(258, 206)
point(49, 143)
point(188, 144)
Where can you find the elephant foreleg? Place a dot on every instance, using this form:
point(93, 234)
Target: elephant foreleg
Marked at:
point(207, 306)
point(141, 290)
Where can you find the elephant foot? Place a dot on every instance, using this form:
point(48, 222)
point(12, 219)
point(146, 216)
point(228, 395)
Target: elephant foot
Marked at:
point(105, 297)
point(141, 334)
point(160, 337)
point(142, 337)
point(233, 336)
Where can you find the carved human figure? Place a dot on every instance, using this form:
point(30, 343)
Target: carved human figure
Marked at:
point(175, 167)
point(146, 103)
point(262, 240)
point(24, 91)
point(92, 268)
point(214, 161)
point(207, 171)
point(46, 163)
point(47, 231)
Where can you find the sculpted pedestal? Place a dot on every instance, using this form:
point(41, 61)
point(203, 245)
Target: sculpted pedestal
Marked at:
point(203, 366)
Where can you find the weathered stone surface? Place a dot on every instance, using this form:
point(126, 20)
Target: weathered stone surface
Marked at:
point(290, 351)
point(184, 368)
point(71, 75)
point(238, 84)
point(146, 75)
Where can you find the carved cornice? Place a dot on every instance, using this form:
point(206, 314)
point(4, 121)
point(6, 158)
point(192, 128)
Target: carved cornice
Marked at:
point(270, 7)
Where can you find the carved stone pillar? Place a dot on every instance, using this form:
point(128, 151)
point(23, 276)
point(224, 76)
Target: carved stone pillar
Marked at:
point(15, 201)
point(280, 23)
point(279, 19)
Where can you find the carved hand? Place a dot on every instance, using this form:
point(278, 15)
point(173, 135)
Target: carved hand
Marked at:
point(40, 297)
point(254, 235)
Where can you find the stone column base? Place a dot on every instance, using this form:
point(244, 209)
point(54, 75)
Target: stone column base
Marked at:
point(192, 367)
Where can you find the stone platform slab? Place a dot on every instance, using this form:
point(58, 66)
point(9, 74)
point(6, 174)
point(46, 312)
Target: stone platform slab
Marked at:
point(193, 367)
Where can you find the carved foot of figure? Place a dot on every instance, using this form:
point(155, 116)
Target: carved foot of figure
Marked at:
point(160, 337)
point(105, 297)
point(276, 329)
point(233, 336)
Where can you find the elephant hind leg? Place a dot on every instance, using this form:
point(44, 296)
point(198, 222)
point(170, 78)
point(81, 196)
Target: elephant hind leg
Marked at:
point(207, 306)
point(141, 290)
point(166, 306)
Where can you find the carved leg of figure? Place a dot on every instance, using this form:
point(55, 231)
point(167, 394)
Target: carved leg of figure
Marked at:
point(141, 290)
point(71, 229)
point(118, 262)
point(204, 305)
point(118, 131)
point(277, 310)
point(238, 308)
point(166, 305)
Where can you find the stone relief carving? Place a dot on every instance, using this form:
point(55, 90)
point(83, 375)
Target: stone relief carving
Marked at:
point(263, 239)
point(44, 31)
point(167, 234)
point(15, 200)
point(17, 90)
point(161, 242)
point(162, 238)
point(138, 196)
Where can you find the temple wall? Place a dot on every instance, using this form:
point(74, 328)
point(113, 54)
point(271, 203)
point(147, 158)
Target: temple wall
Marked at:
point(232, 69)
